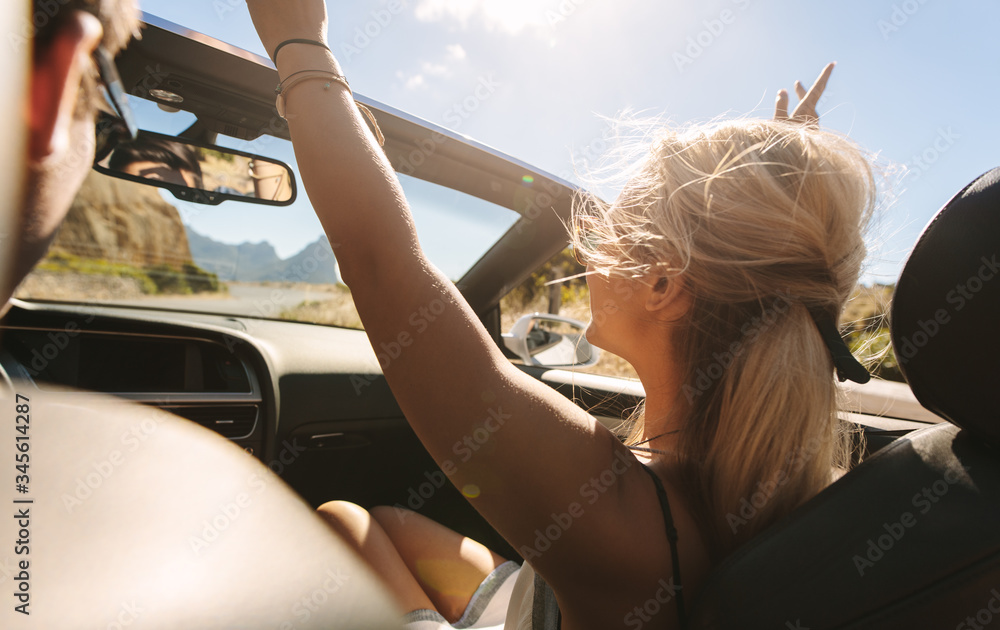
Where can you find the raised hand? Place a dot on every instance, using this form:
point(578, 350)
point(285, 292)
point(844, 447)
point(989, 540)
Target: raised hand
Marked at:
point(805, 111)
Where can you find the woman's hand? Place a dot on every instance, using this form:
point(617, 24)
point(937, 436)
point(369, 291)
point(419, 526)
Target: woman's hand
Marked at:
point(805, 111)
point(280, 20)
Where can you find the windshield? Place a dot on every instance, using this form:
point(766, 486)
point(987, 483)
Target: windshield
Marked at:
point(129, 244)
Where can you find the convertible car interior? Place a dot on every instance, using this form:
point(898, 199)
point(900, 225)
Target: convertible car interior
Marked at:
point(908, 539)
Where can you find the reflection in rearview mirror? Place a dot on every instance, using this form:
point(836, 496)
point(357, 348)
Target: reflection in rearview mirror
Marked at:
point(200, 173)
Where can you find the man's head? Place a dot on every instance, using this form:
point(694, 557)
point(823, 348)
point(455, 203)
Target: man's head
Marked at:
point(118, 20)
point(63, 98)
point(153, 157)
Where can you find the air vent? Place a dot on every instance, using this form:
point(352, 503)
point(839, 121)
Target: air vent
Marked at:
point(231, 421)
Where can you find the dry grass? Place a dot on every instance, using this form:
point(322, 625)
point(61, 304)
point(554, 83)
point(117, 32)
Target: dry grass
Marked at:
point(77, 287)
point(868, 308)
point(336, 310)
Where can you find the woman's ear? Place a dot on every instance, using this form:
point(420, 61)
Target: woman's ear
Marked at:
point(667, 298)
point(56, 74)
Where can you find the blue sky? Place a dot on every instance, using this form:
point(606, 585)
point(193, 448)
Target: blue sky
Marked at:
point(914, 80)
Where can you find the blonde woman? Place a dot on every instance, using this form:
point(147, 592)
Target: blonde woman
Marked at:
point(728, 257)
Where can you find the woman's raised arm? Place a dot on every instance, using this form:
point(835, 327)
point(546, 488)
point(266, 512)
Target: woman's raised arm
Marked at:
point(522, 451)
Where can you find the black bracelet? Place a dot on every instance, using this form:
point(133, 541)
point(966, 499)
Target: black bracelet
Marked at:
point(311, 42)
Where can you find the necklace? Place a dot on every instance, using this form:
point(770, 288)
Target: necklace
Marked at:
point(636, 447)
point(659, 435)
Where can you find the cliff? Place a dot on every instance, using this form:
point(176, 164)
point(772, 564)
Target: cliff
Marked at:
point(123, 222)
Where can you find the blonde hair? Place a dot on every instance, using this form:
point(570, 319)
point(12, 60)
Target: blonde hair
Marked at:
point(762, 221)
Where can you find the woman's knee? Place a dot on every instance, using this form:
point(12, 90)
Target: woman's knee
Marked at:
point(344, 517)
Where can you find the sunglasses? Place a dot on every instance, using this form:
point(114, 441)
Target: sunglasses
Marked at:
point(117, 123)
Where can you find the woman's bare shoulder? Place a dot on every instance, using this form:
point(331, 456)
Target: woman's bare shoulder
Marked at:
point(634, 565)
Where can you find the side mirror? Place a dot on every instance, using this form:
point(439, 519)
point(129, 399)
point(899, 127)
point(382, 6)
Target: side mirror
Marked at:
point(551, 341)
point(196, 172)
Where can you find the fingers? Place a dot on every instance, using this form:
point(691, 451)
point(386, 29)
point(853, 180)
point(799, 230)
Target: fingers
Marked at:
point(816, 91)
point(781, 105)
point(805, 111)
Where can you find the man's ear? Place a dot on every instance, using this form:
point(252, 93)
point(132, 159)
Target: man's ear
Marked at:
point(667, 298)
point(55, 83)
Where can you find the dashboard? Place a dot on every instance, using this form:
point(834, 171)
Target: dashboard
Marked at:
point(221, 372)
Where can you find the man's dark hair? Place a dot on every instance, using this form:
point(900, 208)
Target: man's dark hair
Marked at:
point(176, 156)
point(120, 19)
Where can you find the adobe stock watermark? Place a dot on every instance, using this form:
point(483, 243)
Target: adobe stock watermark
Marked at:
point(464, 449)
point(561, 521)
point(83, 152)
point(706, 376)
point(641, 615)
point(104, 468)
point(275, 303)
point(213, 527)
point(878, 547)
point(454, 116)
point(365, 34)
point(712, 30)
point(984, 616)
point(155, 77)
point(127, 615)
point(958, 298)
point(922, 162)
point(610, 305)
point(55, 342)
point(556, 15)
point(388, 351)
point(44, 14)
point(750, 506)
point(311, 603)
point(898, 17)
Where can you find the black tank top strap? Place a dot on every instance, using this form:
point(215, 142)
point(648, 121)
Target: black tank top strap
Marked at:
point(668, 520)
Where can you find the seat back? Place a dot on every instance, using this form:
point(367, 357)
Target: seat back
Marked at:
point(911, 537)
point(141, 519)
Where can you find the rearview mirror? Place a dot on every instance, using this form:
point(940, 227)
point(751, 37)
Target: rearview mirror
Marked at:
point(551, 341)
point(196, 172)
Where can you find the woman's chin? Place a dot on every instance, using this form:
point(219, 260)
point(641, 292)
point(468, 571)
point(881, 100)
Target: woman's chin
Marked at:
point(593, 337)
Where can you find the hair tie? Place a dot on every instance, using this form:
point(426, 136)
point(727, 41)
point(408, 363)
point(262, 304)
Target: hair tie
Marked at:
point(311, 42)
point(848, 367)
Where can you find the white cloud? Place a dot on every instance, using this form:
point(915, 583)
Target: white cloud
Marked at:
point(435, 69)
point(455, 51)
point(508, 16)
point(411, 82)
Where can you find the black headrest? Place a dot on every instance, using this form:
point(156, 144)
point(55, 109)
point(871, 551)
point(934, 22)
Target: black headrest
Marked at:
point(946, 311)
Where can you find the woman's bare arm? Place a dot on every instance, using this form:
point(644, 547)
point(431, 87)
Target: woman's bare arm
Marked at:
point(526, 450)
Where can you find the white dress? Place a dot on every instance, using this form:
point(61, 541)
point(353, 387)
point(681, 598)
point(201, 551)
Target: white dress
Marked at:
point(487, 610)
point(512, 597)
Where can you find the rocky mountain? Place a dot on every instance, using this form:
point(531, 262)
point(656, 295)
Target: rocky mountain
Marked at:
point(123, 222)
point(126, 223)
point(258, 262)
